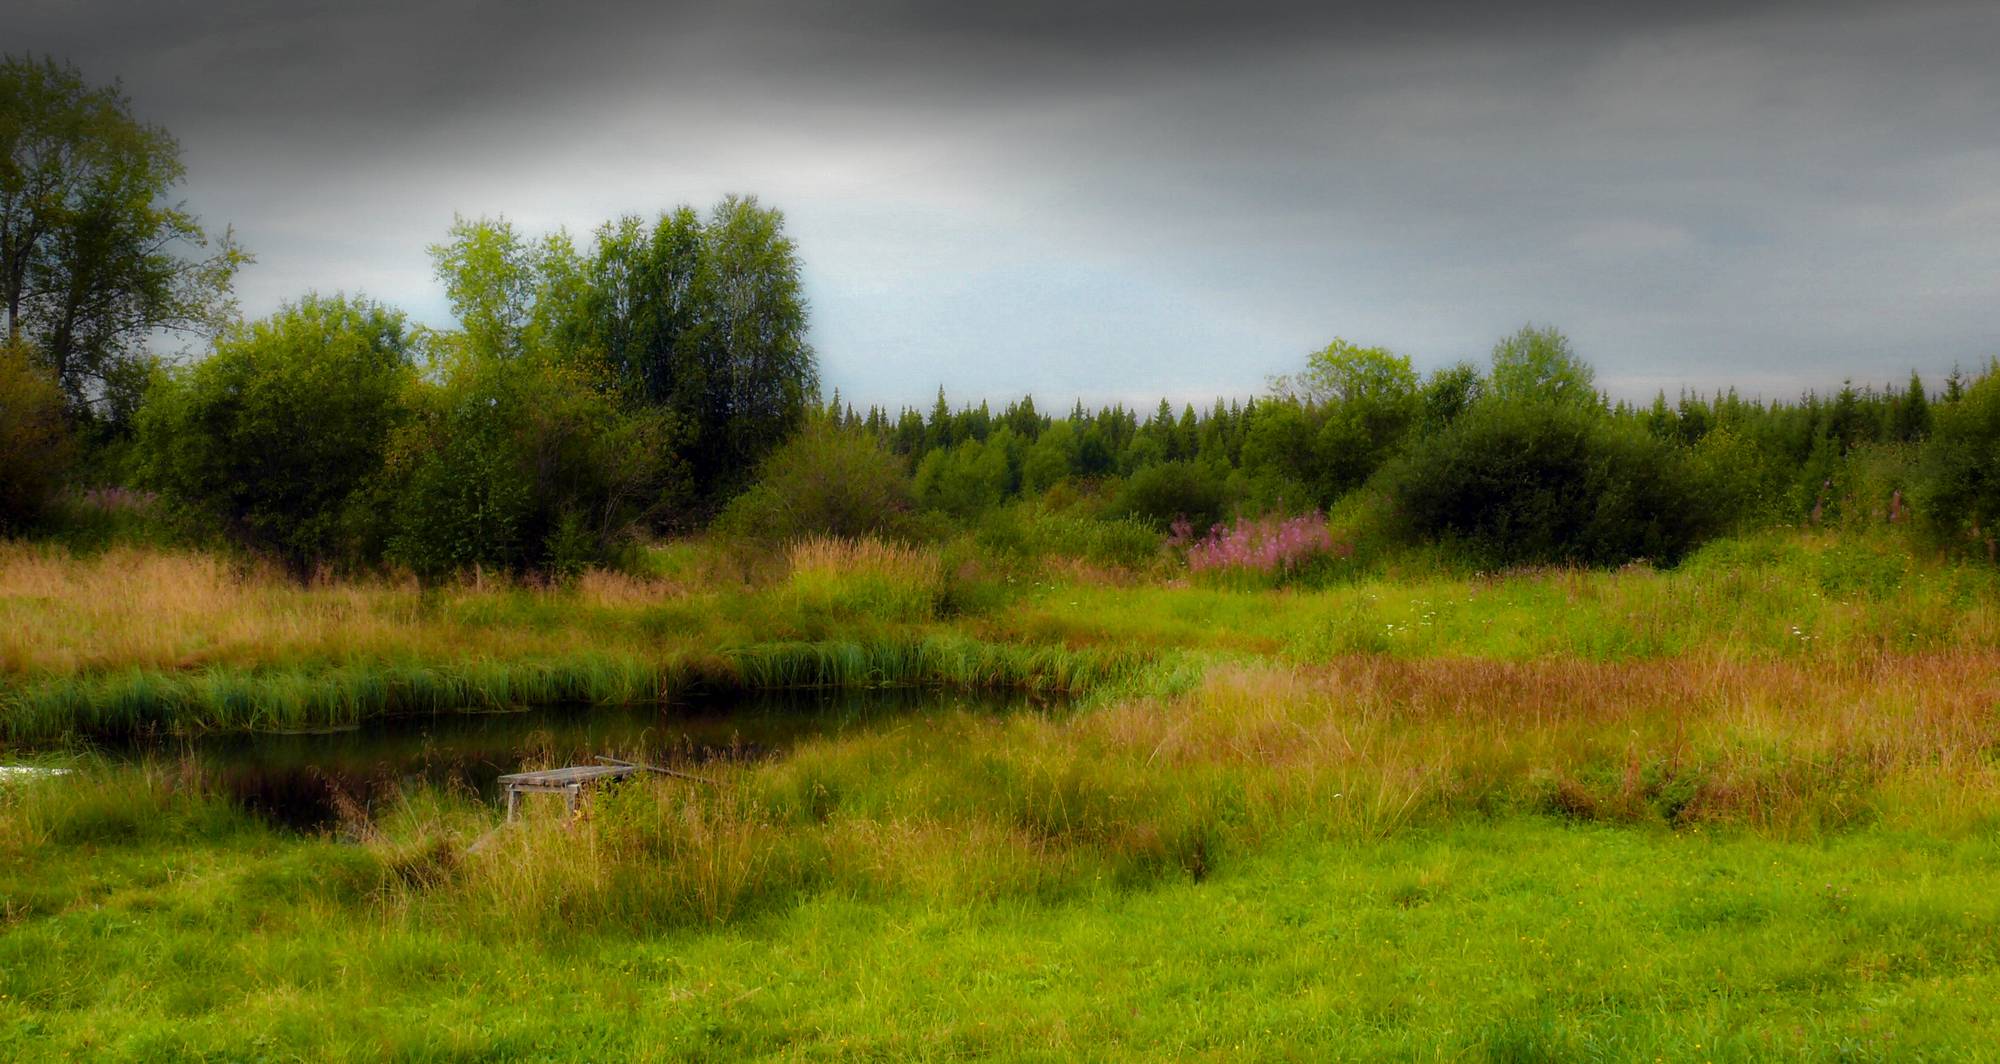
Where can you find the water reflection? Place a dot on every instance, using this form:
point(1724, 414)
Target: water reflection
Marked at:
point(308, 780)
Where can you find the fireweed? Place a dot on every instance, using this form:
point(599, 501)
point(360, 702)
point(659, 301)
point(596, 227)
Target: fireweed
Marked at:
point(1274, 547)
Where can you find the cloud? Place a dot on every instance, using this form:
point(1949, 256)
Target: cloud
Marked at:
point(1121, 200)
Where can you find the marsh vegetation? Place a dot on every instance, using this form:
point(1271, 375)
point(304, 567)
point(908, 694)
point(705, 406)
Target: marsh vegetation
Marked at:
point(1458, 715)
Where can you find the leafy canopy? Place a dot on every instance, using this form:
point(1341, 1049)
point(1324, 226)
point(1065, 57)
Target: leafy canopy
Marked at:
point(273, 436)
point(94, 258)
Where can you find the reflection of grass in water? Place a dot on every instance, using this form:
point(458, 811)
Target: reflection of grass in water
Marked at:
point(221, 699)
point(302, 778)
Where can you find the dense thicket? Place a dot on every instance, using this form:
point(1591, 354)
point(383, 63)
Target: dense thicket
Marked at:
point(586, 398)
point(826, 481)
point(703, 319)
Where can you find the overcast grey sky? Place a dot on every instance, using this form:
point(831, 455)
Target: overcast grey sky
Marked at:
point(1124, 201)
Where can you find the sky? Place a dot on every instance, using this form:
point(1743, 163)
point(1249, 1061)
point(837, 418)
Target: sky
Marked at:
point(1131, 201)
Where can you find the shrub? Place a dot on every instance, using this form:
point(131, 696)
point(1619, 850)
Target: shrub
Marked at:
point(1158, 494)
point(271, 437)
point(825, 481)
point(1550, 480)
point(520, 465)
point(35, 444)
point(966, 480)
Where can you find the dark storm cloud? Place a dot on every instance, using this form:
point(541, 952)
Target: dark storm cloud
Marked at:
point(1118, 198)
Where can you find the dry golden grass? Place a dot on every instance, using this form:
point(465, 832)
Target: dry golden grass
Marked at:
point(826, 556)
point(1779, 745)
point(971, 805)
point(126, 608)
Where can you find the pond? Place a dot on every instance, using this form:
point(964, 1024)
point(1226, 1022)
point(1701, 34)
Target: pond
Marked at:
point(303, 780)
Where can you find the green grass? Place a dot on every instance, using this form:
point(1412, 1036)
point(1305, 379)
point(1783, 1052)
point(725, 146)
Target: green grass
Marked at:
point(1745, 809)
point(1517, 940)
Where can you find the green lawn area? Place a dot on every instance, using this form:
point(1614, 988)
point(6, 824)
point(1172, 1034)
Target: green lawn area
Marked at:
point(1521, 939)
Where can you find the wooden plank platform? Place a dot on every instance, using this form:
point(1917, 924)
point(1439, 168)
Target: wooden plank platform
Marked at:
point(568, 782)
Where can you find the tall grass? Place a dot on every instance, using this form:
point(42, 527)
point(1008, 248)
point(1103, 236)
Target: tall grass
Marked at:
point(1147, 788)
point(865, 578)
point(132, 641)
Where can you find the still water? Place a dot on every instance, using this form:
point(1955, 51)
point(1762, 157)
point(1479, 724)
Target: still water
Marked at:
point(303, 779)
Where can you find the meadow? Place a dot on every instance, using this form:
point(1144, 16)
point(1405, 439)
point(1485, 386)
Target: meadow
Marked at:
point(1743, 808)
point(1402, 710)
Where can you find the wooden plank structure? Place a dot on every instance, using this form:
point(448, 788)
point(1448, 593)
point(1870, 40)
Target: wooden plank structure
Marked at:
point(568, 782)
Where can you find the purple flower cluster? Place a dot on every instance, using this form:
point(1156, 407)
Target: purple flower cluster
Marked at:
point(1271, 545)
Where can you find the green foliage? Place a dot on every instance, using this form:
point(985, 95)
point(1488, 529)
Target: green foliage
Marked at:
point(1538, 364)
point(1035, 530)
point(1161, 494)
point(94, 258)
point(1364, 399)
point(1910, 420)
point(523, 464)
point(1053, 458)
point(1447, 393)
point(1344, 372)
point(35, 444)
point(967, 479)
point(512, 296)
point(703, 319)
point(272, 437)
point(1548, 481)
point(1960, 492)
point(1279, 447)
point(825, 481)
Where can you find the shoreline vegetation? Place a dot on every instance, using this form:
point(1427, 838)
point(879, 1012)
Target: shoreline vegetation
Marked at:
point(1748, 805)
point(135, 640)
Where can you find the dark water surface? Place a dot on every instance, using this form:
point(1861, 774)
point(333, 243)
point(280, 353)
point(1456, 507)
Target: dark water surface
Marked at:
point(306, 780)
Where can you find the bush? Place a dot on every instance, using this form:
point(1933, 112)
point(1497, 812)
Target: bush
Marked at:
point(272, 436)
point(968, 479)
point(825, 481)
point(1549, 480)
point(35, 445)
point(1159, 494)
point(524, 465)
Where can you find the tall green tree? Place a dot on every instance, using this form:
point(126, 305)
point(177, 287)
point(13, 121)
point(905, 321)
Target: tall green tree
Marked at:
point(94, 256)
point(702, 318)
point(759, 373)
point(1537, 363)
point(1368, 399)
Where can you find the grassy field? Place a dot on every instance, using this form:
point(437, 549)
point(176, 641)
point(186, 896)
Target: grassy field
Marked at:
point(1745, 809)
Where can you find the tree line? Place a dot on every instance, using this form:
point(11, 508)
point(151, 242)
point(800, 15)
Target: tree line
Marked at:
point(1520, 460)
point(656, 375)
